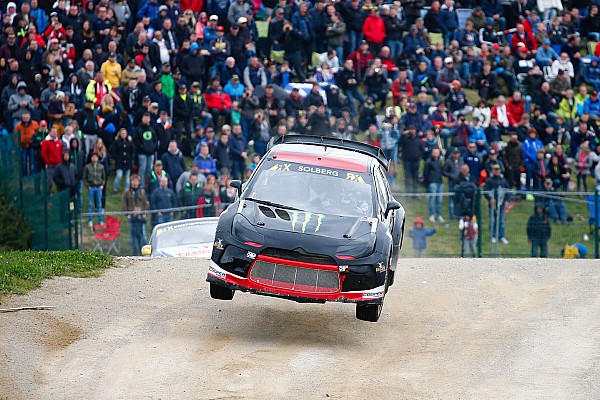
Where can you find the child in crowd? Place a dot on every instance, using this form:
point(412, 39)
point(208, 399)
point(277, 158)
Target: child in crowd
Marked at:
point(419, 236)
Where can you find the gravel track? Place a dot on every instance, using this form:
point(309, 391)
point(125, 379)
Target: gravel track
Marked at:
point(450, 329)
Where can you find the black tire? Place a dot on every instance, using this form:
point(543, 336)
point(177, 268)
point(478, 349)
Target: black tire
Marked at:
point(368, 312)
point(221, 293)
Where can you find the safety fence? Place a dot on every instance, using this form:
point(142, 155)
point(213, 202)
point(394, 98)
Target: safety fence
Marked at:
point(49, 215)
point(569, 216)
point(567, 219)
point(111, 230)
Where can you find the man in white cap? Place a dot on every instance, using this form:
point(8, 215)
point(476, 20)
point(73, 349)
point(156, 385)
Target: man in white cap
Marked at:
point(210, 31)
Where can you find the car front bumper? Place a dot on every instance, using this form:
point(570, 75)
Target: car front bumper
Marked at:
point(293, 280)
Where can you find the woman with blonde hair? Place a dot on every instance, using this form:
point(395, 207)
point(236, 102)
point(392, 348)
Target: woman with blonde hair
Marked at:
point(584, 160)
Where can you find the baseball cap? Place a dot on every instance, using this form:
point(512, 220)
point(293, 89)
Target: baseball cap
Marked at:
point(154, 105)
point(476, 117)
point(546, 41)
point(163, 8)
point(112, 54)
point(203, 144)
point(448, 60)
point(235, 26)
point(235, 77)
point(548, 180)
point(495, 46)
point(182, 86)
point(220, 29)
point(242, 20)
point(418, 220)
point(43, 123)
point(412, 104)
point(279, 11)
point(214, 18)
point(196, 84)
point(54, 14)
point(492, 152)
point(146, 98)
point(455, 150)
point(53, 41)
point(413, 27)
point(496, 166)
point(158, 163)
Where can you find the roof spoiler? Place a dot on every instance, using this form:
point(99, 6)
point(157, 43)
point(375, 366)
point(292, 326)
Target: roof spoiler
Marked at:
point(337, 143)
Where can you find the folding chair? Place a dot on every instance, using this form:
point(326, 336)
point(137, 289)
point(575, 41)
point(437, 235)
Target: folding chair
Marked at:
point(107, 241)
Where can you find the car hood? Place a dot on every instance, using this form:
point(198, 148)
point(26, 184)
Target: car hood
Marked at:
point(201, 250)
point(317, 224)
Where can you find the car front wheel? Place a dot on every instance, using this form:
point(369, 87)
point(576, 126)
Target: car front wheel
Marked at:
point(221, 293)
point(368, 312)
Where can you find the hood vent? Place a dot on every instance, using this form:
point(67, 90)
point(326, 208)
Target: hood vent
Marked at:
point(282, 214)
point(267, 211)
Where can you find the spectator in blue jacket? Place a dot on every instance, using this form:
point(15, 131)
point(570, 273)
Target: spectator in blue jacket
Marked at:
point(419, 235)
point(531, 145)
point(545, 55)
point(591, 73)
point(234, 88)
point(148, 9)
point(163, 198)
point(592, 105)
point(449, 22)
point(206, 164)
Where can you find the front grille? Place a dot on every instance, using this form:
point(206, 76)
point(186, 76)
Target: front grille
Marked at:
point(299, 279)
point(297, 256)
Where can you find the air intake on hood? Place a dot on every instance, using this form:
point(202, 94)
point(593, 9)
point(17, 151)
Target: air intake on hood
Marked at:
point(283, 214)
point(267, 211)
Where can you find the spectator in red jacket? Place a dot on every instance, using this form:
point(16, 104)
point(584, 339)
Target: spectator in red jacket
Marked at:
point(218, 102)
point(51, 154)
point(361, 59)
point(402, 87)
point(374, 30)
point(516, 107)
point(522, 36)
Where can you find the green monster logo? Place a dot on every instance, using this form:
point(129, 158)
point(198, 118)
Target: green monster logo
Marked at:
point(307, 218)
point(147, 135)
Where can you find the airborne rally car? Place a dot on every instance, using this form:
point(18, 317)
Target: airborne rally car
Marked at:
point(316, 222)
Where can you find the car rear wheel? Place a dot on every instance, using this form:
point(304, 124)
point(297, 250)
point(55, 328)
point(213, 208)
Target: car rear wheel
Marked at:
point(220, 292)
point(368, 312)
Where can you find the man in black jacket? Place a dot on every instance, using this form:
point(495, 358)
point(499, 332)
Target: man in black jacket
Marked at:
point(182, 118)
point(145, 143)
point(451, 171)
point(411, 157)
point(539, 232)
point(348, 82)
point(88, 125)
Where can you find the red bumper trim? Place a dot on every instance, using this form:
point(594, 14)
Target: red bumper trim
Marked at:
point(355, 296)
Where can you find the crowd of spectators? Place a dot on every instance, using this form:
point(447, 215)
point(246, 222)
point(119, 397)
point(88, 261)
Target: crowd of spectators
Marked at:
point(134, 86)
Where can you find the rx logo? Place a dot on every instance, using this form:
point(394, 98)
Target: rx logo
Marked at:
point(280, 167)
point(354, 177)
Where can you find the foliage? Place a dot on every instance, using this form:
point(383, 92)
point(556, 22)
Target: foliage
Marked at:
point(21, 271)
point(15, 233)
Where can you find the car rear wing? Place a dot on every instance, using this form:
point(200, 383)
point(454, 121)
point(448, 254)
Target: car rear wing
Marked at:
point(337, 143)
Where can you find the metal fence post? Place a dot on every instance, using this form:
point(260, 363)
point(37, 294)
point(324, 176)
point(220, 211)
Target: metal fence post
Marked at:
point(596, 224)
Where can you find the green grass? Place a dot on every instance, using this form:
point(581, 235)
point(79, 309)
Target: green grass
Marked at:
point(22, 271)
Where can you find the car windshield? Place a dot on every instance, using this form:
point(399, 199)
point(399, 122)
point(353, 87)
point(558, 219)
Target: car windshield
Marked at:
point(313, 189)
point(185, 234)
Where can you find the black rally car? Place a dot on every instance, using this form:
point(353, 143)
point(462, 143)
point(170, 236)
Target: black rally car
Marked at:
point(316, 222)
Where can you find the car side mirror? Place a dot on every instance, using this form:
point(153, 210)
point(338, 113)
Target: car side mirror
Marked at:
point(391, 205)
point(147, 250)
point(236, 184)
